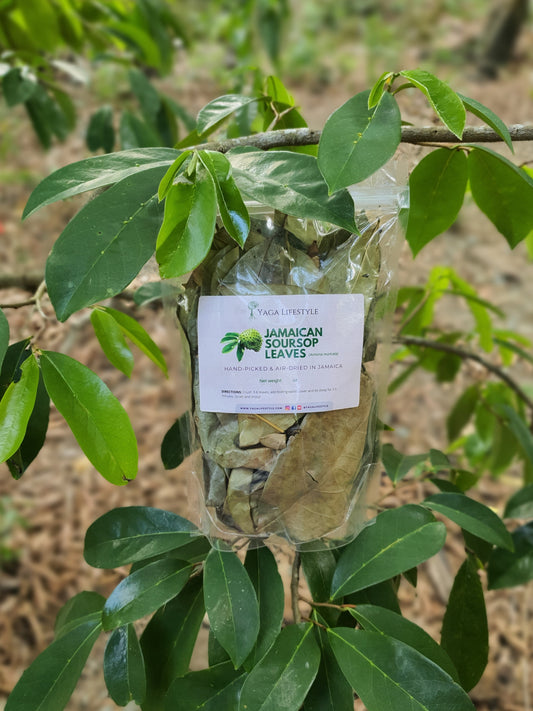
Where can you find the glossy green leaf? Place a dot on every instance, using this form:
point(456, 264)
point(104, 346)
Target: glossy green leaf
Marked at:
point(96, 418)
point(100, 131)
point(489, 117)
point(188, 226)
point(379, 87)
point(330, 690)
point(168, 640)
point(133, 533)
point(35, 435)
point(437, 188)
point(168, 178)
point(520, 505)
point(384, 594)
point(442, 98)
point(319, 567)
point(231, 604)
point(462, 411)
point(356, 141)
point(503, 192)
point(4, 336)
point(391, 624)
point(49, 681)
point(231, 207)
point(219, 109)
point(16, 407)
point(133, 330)
point(151, 291)
point(124, 672)
point(398, 465)
point(112, 341)
point(395, 541)
point(471, 515)
point(216, 653)
point(389, 675)
point(97, 172)
point(291, 183)
point(506, 569)
point(518, 427)
point(465, 634)
point(262, 569)
point(84, 607)
point(281, 680)
point(105, 245)
point(144, 591)
point(213, 689)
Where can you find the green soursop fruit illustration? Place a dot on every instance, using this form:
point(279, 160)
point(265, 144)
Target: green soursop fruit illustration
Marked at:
point(249, 339)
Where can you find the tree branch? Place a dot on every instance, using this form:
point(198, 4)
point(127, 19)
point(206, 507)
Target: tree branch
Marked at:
point(410, 134)
point(295, 584)
point(467, 355)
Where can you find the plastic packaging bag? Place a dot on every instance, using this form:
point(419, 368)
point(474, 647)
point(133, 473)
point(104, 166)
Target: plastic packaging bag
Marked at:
point(287, 345)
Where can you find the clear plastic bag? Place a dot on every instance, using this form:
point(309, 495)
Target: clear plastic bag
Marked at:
point(286, 340)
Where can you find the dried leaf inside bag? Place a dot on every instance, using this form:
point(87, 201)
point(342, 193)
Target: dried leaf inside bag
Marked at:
point(309, 490)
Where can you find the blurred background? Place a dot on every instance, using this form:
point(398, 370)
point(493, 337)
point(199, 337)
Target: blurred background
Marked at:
point(81, 77)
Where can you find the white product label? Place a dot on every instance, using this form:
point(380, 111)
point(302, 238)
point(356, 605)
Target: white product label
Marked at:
point(273, 354)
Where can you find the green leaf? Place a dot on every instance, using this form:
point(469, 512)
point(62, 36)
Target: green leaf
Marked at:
point(503, 192)
point(262, 569)
point(231, 604)
point(330, 690)
point(133, 330)
point(133, 533)
point(505, 569)
point(35, 434)
point(395, 541)
point(471, 515)
point(398, 465)
point(319, 567)
point(465, 634)
point(391, 624)
point(16, 407)
point(520, 505)
point(124, 673)
point(18, 86)
point(291, 183)
point(96, 172)
point(462, 411)
point(112, 341)
point(178, 443)
point(389, 674)
point(187, 231)
point(4, 336)
point(168, 640)
point(518, 427)
point(100, 131)
point(152, 291)
point(437, 188)
point(231, 207)
point(442, 98)
point(15, 355)
point(384, 594)
point(489, 117)
point(356, 140)
point(136, 133)
point(213, 689)
point(379, 87)
point(168, 178)
point(50, 680)
point(145, 590)
point(105, 245)
point(281, 680)
point(96, 418)
point(82, 608)
point(219, 109)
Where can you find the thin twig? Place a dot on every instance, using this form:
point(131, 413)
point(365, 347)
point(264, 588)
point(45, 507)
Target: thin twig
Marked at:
point(313, 603)
point(410, 134)
point(468, 355)
point(295, 584)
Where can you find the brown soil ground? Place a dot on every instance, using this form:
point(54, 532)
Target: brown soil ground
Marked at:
point(62, 494)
